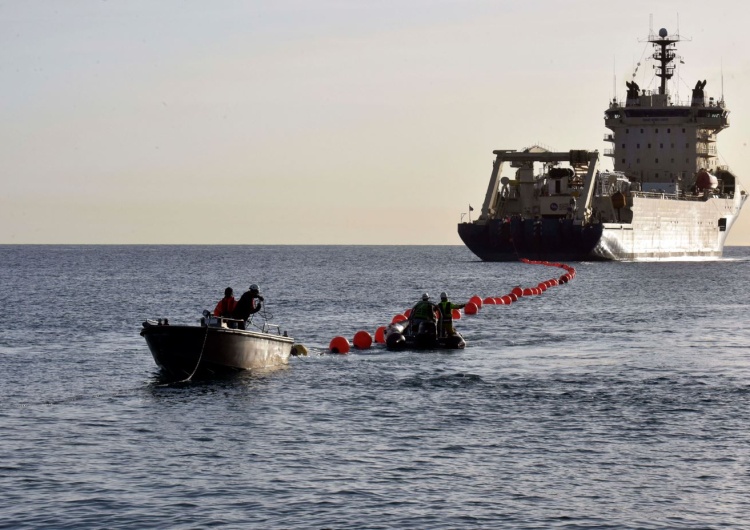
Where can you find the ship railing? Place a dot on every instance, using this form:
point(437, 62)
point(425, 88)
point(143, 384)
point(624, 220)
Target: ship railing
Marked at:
point(681, 196)
point(673, 102)
point(270, 328)
point(219, 322)
point(707, 150)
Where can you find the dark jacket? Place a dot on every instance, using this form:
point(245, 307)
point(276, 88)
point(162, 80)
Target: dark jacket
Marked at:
point(423, 310)
point(248, 304)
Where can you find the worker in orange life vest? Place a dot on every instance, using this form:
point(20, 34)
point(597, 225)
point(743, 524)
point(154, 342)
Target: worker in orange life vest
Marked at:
point(226, 305)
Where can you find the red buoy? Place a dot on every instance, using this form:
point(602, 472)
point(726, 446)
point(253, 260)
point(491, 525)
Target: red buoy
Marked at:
point(471, 309)
point(456, 314)
point(339, 345)
point(362, 340)
point(513, 297)
point(498, 301)
point(399, 318)
point(488, 301)
point(380, 335)
point(507, 300)
point(542, 286)
point(517, 291)
point(527, 292)
point(476, 301)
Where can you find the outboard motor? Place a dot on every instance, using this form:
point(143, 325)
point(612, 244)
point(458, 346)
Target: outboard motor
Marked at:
point(394, 335)
point(395, 341)
point(427, 334)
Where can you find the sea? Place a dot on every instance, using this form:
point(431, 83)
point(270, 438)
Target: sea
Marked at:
point(618, 400)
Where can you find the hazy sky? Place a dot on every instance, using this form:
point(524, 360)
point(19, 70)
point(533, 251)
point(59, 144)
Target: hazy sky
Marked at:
point(325, 122)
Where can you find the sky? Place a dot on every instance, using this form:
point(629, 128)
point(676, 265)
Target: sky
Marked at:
point(319, 122)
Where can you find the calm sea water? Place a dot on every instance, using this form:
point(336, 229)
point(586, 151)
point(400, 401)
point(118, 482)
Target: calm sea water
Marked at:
point(621, 400)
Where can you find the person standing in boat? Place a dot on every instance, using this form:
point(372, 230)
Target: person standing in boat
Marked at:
point(446, 308)
point(422, 313)
point(249, 304)
point(226, 305)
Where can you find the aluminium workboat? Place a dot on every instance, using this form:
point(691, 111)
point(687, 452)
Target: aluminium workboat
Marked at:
point(214, 347)
point(667, 197)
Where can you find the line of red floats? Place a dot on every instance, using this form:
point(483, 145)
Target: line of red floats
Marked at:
point(363, 340)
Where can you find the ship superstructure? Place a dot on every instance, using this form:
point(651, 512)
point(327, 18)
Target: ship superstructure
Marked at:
point(668, 197)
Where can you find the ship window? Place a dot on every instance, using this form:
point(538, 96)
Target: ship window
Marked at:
point(673, 160)
point(627, 131)
point(623, 146)
point(657, 130)
point(623, 160)
point(656, 175)
point(687, 145)
point(649, 146)
point(656, 161)
point(669, 131)
point(641, 130)
point(672, 145)
point(638, 146)
point(683, 130)
point(661, 146)
point(637, 160)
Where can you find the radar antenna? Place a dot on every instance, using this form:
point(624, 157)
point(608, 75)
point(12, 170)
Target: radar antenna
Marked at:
point(664, 54)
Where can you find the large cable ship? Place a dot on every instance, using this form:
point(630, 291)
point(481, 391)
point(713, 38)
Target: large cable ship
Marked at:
point(667, 197)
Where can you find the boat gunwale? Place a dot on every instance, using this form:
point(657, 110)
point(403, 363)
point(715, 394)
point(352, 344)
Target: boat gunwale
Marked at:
point(153, 328)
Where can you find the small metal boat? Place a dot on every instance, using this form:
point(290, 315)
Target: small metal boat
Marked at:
point(403, 336)
point(216, 346)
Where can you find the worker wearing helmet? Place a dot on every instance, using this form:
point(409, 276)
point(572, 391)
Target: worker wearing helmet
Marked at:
point(446, 314)
point(249, 303)
point(423, 311)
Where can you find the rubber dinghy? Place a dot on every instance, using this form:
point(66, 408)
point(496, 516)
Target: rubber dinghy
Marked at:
point(402, 336)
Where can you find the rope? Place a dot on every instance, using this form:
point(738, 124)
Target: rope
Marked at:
point(200, 357)
point(266, 315)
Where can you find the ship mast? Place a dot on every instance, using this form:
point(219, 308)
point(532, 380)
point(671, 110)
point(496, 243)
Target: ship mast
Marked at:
point(665, 54)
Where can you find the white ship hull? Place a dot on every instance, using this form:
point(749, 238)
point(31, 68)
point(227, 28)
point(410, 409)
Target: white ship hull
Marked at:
point(670, 229)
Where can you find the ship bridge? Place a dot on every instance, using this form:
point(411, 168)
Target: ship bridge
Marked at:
point(655, 139)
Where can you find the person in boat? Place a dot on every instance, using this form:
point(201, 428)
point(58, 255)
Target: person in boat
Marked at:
point(226, 305)
point(249, 304)
point(422, 313)
point(446, 308)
